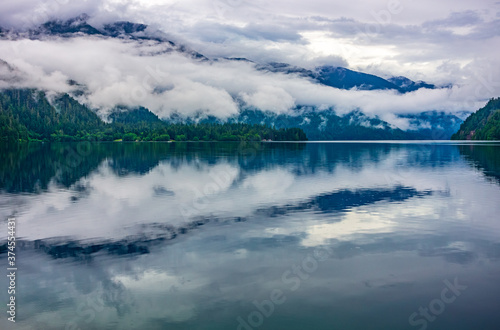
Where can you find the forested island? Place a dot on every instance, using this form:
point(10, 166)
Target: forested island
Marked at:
point(27, 115)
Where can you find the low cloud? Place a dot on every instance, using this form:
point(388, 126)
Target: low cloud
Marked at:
point(145, 73)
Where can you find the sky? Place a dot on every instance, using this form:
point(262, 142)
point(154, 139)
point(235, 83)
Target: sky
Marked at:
point(446, 43)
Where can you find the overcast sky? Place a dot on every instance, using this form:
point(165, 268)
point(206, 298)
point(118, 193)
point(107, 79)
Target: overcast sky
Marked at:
point(442, 42)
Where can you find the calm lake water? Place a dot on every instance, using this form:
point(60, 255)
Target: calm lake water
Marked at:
point(253, 236)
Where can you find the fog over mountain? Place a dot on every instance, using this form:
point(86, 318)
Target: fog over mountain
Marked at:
point(198, 59)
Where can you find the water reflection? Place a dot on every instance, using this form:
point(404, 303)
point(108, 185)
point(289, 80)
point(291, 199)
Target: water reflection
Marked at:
point(190, 235)
point(486, 158)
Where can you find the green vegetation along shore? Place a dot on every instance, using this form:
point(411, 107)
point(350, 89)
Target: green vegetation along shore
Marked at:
point(484, 124)
point(27, 115)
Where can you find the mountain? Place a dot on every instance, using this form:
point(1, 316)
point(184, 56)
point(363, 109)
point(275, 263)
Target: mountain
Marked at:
point(406, 85)
point(131, 116)
point(67, 28)
point(337, 77)
point(346, 79)
point(79, 26)
point(484, 124)
point(433, 125)
point(278, 67)
point(342, 78)
point(123, 28)
point(27, 115)
point(326, 125)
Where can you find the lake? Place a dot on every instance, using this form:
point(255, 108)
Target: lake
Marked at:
point(352, 235)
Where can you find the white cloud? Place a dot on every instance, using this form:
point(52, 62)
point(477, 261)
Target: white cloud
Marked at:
point(137, 74)
point(271, 98)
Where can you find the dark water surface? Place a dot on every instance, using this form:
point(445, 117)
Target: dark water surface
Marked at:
point(252, 236)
